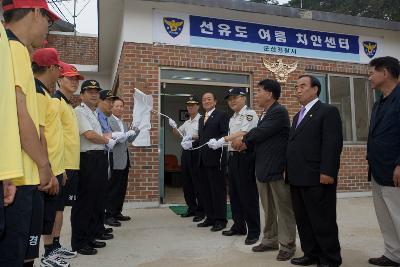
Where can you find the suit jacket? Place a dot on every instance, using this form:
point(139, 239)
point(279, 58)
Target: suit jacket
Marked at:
point(383, 149)
point(120, 150)
point(217, 126)
point(315, 146)
point(269, 141)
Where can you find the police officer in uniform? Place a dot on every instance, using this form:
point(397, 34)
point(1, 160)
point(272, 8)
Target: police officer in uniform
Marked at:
point(87, 213)
point(243, 192)
point(190, 159)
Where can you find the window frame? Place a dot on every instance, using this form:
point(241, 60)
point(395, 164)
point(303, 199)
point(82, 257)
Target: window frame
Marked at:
point(351, 77)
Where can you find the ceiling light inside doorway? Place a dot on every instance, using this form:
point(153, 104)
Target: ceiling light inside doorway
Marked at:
point(205, 79)
point(187, 78)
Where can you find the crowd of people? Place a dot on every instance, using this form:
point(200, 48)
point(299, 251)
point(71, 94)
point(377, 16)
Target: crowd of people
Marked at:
point(292, 169)
point(55, 155)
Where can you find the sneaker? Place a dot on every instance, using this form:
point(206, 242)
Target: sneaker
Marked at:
point(49, 261)
point(64, 253)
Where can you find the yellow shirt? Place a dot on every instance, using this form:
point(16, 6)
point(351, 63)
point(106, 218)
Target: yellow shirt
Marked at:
point(71, 133)
point(11, 158)
point(23, 78)
point(49, 118)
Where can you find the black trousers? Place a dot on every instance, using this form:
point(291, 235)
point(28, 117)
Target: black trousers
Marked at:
point(213, 192)
point(18, 223)
point(243, 193)
point(117, 185)
point(2, 218)
point(87, 214)
point(191, 183)
point(315, 212)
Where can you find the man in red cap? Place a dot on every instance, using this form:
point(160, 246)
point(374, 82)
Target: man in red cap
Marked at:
point(68, 85)
point(27, 25)
point(46, 69)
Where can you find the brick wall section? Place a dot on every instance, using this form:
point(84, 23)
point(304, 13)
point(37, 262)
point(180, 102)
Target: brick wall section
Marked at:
point(139, 67)
point(75, 49)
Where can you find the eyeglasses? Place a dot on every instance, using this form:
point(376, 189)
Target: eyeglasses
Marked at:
point(44, 13)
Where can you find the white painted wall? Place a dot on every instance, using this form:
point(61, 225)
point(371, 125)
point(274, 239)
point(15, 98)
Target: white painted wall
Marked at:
point(137, 25)
point(138, 22)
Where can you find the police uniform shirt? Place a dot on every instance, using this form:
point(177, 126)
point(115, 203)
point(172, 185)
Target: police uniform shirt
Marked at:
point(191, 126)
point(87, 121)
point(244, 120)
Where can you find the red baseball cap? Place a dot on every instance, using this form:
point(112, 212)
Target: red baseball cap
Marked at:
point(16, 4)
point(68, 70)
point(46, 57)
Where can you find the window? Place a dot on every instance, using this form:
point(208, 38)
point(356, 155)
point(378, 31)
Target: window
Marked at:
point(353, 98)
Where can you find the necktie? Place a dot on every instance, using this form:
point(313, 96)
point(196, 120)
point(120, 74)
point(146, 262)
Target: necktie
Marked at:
point(301, 115)
point(205, 117)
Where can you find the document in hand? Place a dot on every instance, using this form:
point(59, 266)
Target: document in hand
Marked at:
point(143, 104)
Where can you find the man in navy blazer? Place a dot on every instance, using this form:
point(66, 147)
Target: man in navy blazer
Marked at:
point(313, 159)
point(383, 154)
point(214, 124)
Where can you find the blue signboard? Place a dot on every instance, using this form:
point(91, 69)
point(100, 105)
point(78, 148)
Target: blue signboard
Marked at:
point(252, 37)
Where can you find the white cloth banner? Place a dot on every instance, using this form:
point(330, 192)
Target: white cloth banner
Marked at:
point(143, 104)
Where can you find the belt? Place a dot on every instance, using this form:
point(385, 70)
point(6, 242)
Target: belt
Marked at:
point(95, 152)
point(232, 153)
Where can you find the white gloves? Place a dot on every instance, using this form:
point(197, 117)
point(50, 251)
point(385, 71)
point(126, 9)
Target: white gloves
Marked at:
point(216, 144)
point(172, 123)
point(117, 135)
point(186, 145)
point(111, 143)
point(187, 138)
point(130, 133)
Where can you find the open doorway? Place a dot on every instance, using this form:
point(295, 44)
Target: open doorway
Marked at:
point(173, 95)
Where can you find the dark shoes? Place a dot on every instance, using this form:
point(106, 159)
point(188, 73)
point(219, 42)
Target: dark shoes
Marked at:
point(188, 214)
point(108, 230)
point(284, 255)
point(206, 223)
point(122, 218)
point(112, 222)
point(262, 248)
point(383, 261)
point(97, 244)
point(250, 240)
point(232, 232)
point(198, 218)
point(105, 236)
point(87, 250)
point(304, 261)
point(218, 226)
point(326, 265)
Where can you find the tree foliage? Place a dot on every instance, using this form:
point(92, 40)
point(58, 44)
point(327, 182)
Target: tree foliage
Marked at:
point(382, 9)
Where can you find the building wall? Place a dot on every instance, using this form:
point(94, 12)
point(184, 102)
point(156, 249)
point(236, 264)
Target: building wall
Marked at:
point(79, 49)
point(133, 22)
point(139, 67)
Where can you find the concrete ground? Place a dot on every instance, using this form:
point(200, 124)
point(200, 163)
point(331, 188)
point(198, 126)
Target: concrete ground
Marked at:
point(159, 238)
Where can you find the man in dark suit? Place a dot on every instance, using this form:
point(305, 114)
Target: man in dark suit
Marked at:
point(313, 159)
point(383, 154)
point(269, 141)
point(214, 124)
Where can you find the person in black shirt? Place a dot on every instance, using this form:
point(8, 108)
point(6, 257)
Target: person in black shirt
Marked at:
point(383, 155)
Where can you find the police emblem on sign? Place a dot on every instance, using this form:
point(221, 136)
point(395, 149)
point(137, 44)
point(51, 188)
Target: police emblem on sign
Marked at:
point(173, 26)
point(370, 48)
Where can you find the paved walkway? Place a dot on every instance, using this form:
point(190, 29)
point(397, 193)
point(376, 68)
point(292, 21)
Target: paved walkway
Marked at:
point(159, 238)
